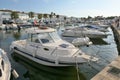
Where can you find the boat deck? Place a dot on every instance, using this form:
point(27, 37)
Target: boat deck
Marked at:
point(21, 42)
point(111, 72)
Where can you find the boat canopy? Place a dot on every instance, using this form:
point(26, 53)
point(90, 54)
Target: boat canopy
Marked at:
point(36, 30)
point(48, 35)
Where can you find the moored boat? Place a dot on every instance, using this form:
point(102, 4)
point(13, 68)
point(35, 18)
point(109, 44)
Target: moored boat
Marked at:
point(5, 66)
point(81, 32)
point(44, 46)
point(82, 41)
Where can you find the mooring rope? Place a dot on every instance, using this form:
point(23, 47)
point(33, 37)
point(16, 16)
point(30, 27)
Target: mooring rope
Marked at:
point(77, 68)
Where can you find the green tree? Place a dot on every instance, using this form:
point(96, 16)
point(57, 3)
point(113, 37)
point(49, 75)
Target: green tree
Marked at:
point(57, 16)
point(84, 19)
point(40, 16)
point(110, 17)
point(50, 16)
point(53, 14)
point(14, 15)
point(89, 17)
point(31, 14)
point(65, 18)
point(45, 15)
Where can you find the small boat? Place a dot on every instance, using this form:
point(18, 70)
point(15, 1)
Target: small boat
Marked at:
point(100, 24)
point(2, 27)
point(5, 66)
point(81, 32)
point(44, 46)
point(103, 26)
point(95, 27)
point(81, 41)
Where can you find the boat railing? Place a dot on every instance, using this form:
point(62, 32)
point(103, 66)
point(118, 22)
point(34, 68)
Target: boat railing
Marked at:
point(76, 52)
point(56, 48)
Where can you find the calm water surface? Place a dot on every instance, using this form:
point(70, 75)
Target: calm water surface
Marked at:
point(29, 70)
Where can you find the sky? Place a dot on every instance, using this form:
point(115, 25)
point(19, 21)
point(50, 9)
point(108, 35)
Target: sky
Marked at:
point(75, 8)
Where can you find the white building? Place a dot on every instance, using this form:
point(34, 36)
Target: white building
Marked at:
point(23, 16)
point(5, 14)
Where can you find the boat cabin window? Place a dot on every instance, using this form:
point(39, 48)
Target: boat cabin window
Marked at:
point(55, 36)
point(0, 73)
point(37, 41)
point(33, 38)
point(2, 63)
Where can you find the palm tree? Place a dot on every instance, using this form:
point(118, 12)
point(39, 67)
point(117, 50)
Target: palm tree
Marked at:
point(59, 21)
point(65, 19)
point(50, 16)
point(31, 14)
point(45, 16)
point(40, 16)
point(57, 16)
point(89, 18)
point(52, 13)
point(14, 15)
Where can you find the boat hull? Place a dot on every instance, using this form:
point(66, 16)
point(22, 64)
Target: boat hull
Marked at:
point(7, 66)
point(43, 61)
point(82, 34)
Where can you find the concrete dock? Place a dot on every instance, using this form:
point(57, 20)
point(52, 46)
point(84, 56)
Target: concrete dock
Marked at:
point(116, 31)
point(111, 72)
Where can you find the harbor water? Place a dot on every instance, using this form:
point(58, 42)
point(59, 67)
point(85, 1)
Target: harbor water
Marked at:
point(105, 49)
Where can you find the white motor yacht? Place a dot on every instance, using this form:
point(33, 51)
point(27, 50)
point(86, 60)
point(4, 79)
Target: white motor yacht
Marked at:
point(5, 66)
point(81, 32)
point(44, 46)
point(82, 41)
point(103, 25)
point(95, 27)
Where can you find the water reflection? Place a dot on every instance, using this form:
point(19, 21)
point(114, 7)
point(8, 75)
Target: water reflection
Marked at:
point(36, 71)
point(17, 35)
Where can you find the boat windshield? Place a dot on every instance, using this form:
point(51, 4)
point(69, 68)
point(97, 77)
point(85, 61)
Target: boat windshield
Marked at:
point(45, 38)
point(55, 36)
point(49, 37)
